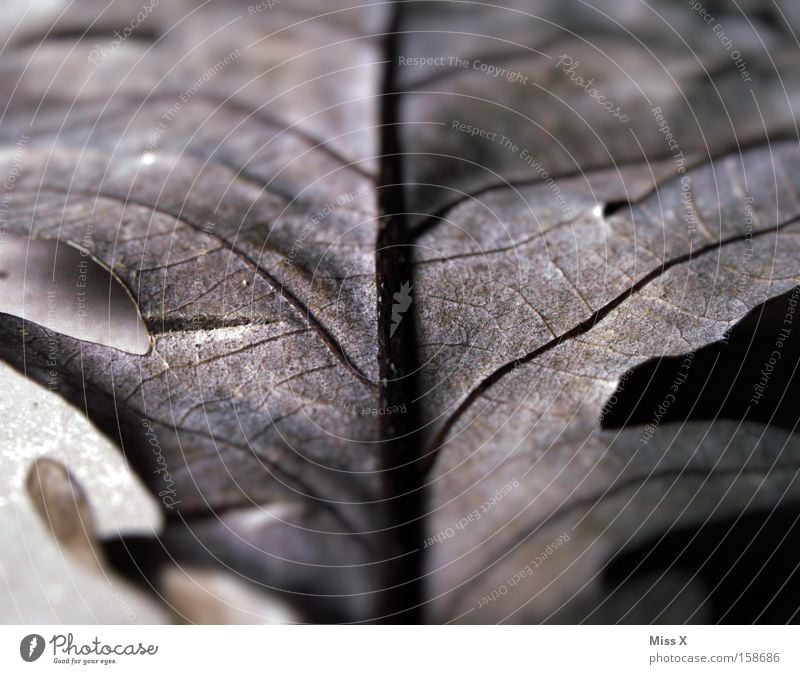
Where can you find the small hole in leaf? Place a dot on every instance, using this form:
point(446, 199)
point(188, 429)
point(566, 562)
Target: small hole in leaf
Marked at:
point(739, 378)
point(613, 207)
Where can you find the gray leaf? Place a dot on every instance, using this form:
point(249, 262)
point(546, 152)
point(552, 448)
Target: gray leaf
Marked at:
point(397, 265)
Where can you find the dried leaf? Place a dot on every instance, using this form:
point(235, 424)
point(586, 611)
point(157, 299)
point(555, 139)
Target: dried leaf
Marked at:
point(399, 265)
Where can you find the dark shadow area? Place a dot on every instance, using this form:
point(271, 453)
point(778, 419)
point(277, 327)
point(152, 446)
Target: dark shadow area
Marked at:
point(762, 586)
point(98, 33)
point(739, 378)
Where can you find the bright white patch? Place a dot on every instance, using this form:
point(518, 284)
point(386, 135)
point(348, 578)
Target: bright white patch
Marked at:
point(147, 158)
point(597, 211)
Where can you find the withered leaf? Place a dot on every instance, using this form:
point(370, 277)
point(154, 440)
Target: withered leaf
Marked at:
point(434, 289)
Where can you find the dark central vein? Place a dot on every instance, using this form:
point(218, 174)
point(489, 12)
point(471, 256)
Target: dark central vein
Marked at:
point(397, 350)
